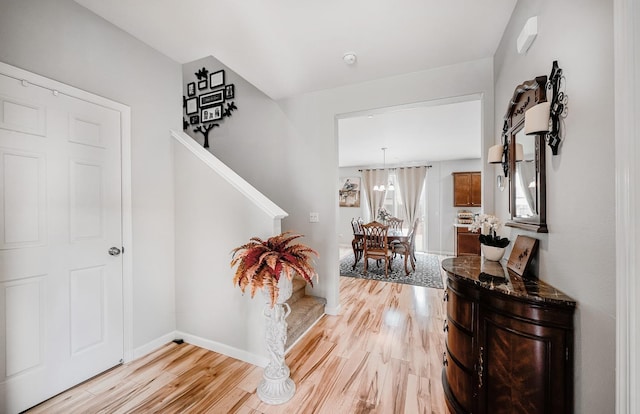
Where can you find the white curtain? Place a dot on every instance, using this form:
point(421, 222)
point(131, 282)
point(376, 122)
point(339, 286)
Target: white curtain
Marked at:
point(375, 199)
point(410, 183)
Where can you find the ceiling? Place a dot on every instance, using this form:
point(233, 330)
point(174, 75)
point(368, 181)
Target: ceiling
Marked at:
point(290, 47)
point(412, 135)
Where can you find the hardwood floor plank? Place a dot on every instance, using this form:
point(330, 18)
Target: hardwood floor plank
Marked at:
point(382, 354)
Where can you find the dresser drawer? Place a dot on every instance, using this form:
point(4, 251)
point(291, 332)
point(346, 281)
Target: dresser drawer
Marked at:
point(460, 310)
point(460, 344)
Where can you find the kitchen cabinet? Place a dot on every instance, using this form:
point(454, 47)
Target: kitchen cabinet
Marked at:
point(466, 242)
point(467, 189)
point(509, 344)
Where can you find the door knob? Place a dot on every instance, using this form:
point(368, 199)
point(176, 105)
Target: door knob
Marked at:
point(114, 251)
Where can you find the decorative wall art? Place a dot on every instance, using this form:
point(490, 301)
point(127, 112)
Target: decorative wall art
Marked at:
point(192, 106)
point(211, 102)
point(211, 114)
point(523, 251)
point(216, 79)
point(229, 91)
point(349, 192)
point(211, 98)
point(202, 74)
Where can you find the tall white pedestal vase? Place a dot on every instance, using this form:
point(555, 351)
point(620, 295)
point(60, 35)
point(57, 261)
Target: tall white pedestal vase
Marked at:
point(276, 386)
point(259, 263)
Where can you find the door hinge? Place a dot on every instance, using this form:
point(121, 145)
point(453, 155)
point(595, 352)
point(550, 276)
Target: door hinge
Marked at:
point(122, 249)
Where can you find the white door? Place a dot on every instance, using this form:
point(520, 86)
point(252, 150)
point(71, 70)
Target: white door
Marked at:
point(61, 306)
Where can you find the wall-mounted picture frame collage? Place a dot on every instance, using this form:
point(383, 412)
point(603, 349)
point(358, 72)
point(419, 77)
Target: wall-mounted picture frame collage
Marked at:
point(208, 100)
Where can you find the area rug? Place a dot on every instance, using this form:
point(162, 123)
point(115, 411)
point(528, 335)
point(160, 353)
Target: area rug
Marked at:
point(427, 271)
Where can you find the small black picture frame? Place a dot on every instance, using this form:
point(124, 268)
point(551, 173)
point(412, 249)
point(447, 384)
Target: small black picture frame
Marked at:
point(191, 88)
point(194, 119)
point(202, 84)
point(211, 98)
point(211, 114)
point(192, 106)
point(216, 79)
point(229, 91)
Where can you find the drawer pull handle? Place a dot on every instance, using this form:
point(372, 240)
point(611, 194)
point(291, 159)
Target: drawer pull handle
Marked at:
point(445, 298)
point(480, 367)
point(444, 359)
point(445, 328)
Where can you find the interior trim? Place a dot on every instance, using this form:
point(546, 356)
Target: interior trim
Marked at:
point(626, 30)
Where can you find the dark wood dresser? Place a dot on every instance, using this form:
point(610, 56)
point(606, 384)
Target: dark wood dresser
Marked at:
point(509, 346)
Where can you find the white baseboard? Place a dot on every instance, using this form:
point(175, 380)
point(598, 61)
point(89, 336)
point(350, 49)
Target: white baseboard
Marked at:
point(334, 311)
point(223, 349)
point(151, 346)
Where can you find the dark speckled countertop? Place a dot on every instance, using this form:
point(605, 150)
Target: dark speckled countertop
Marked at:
point(496, 277)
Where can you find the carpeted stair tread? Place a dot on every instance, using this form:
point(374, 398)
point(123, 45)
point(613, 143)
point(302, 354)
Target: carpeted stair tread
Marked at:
point(298, 290)
point(304, 312)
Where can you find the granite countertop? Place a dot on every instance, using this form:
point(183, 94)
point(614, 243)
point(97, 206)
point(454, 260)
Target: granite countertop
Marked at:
point(496, 277)
point(461, 225)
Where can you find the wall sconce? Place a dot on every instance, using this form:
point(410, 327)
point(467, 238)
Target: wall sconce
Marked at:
point(544, 118)
point(499, 154)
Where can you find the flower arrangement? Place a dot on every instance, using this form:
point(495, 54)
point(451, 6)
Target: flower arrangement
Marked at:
point(262, 262)
point(489, 225)
point(383, 215)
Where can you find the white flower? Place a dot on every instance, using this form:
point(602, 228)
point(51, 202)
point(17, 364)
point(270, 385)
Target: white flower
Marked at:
point(486, 223)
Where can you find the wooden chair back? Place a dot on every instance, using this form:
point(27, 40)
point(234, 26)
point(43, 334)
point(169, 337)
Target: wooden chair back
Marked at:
point(356, 225)
point(375, 239)
point(408, 248)
point(395, 224)
point(376, 245)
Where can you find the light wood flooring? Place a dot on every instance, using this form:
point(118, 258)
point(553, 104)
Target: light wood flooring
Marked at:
point(382, 354)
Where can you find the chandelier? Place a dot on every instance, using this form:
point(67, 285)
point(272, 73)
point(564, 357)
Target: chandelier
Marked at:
point(381, 187)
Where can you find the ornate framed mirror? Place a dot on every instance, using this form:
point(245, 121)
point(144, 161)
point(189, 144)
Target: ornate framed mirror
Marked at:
point(527, 183)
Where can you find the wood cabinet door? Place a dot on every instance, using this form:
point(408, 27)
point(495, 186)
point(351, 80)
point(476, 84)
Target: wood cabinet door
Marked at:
point(468, 244)
point(461, 189)
point(521, 367)
point(467, 189)
point(476, 189)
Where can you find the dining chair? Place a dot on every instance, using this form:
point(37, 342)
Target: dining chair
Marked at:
point(394, 223)
point(407, 248)
point(376, 246)
point(356, 225)
point(357, 242)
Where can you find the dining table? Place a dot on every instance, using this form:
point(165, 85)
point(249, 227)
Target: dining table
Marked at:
point(393, 236)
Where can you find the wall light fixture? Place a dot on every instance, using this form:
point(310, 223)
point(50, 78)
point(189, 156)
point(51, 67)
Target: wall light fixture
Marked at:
point(544, 118)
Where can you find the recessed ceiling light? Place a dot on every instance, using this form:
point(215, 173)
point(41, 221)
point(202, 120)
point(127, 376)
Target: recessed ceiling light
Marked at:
point(349, 58)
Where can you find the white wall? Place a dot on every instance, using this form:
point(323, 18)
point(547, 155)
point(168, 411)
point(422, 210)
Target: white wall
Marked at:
point(578, 254)
point(61, 40)
point(212, 218)
point(441, 212)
